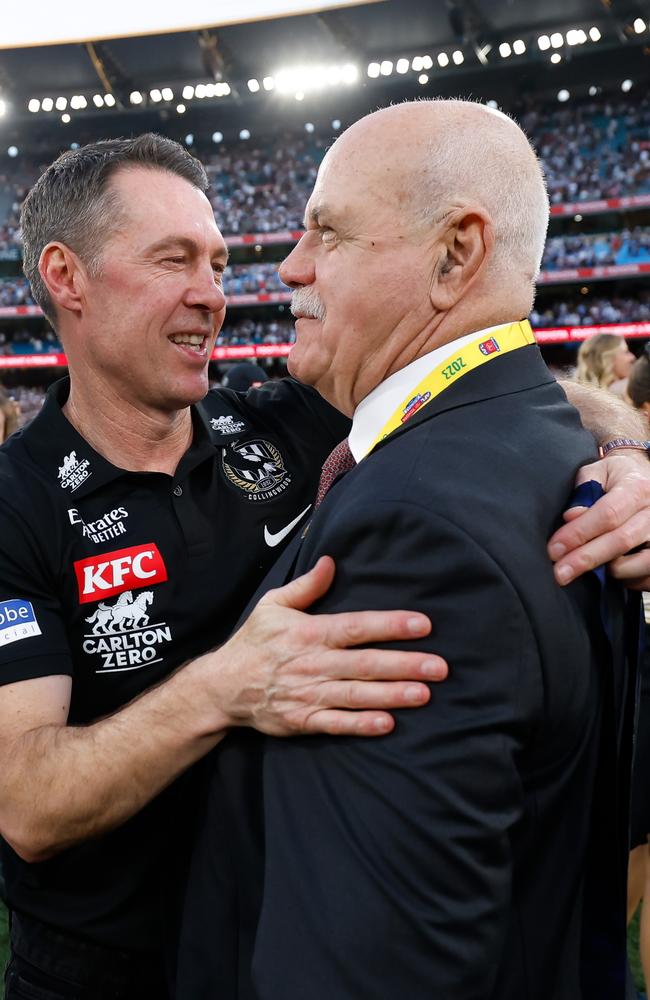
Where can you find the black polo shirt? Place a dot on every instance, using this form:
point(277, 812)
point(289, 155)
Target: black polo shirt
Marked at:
point(116, 578)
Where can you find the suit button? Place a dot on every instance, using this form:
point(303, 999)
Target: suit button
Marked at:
point(178, 491)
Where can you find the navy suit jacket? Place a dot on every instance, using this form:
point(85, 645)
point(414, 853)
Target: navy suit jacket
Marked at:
point(456, 858)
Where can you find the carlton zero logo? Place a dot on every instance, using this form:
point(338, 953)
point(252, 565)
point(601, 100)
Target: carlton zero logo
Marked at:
point(17, 621)
point(256, 468)
point(122, 635)
point(73, 472)
point(113, 572)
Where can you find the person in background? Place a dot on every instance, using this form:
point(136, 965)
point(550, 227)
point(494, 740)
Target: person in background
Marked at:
point(244, 376)
point(9, 415)
point(605, 360)
point(638, 889)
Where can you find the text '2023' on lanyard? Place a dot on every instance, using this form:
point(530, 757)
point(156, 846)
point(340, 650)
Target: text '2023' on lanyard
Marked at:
point(485, 348)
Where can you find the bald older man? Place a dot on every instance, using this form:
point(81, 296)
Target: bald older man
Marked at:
point(452, 859)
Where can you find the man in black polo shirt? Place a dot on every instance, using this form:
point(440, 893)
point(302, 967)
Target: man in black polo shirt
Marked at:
point(135, 525)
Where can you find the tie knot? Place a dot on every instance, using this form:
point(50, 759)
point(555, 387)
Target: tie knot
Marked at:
point(339, 461)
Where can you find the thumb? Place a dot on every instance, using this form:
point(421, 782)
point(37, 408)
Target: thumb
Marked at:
point(304, 590)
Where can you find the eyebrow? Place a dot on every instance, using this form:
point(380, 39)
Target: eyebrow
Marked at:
point(169, 242)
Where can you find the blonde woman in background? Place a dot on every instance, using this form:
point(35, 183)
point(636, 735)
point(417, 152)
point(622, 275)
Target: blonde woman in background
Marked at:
point(605, 360)
point(9, 415)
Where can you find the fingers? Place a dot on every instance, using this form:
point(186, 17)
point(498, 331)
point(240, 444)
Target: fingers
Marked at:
point(379, 665)
point(359, 695)
point(596, 551)
point(306, 589)
point(633, 570)
point(334, 722)
point(361, 628)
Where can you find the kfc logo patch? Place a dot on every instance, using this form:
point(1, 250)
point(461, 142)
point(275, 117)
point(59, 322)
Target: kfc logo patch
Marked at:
point(114, 572)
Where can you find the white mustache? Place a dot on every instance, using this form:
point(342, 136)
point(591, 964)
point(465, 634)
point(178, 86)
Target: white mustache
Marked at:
point(306, 301)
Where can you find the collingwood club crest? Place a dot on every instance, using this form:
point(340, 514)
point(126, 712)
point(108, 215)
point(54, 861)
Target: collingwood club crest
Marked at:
point(256, 468)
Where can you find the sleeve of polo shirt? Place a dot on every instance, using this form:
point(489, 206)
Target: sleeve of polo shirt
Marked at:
point(33, 639)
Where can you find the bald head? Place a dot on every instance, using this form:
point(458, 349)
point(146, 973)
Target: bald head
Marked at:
point(437, 155)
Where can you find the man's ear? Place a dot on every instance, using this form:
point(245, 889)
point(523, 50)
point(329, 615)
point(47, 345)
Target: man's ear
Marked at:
point(463, 250)
point(61, 271)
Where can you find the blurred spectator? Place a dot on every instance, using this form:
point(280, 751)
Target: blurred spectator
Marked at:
point(9, 415)
point(588, 311)
point(244, 376)
point(626, 247)
point(605, 360)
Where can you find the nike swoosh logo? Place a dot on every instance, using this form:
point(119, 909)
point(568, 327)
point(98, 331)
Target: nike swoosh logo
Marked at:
point(274, 539)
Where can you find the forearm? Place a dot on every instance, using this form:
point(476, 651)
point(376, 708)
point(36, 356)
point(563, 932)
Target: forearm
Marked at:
point(604, 414)
point(65, 784)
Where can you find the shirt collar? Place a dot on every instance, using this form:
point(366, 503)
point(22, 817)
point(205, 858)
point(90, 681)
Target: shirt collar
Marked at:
point(372, 412)
point(62, 453)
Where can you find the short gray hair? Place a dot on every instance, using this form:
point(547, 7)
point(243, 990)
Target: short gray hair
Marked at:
point(72, 202)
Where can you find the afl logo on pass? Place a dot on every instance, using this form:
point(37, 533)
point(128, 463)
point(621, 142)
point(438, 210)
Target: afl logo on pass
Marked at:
point(17, 621)
point(114, 572)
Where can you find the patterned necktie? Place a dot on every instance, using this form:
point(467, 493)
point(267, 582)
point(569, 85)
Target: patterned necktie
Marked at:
point(339, 461)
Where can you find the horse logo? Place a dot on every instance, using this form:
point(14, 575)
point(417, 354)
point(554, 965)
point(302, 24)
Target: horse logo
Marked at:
point(126, 611)
point(69, 463)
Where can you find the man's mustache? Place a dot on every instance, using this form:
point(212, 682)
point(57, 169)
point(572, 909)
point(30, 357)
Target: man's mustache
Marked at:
point(307, 302)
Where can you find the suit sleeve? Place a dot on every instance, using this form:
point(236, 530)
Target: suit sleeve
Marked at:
point(388, 861)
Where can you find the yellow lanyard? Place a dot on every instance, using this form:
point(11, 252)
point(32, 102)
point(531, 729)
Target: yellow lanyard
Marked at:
point(484, 348)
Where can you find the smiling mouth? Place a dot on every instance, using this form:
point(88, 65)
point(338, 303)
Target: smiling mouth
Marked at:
point(195, 342)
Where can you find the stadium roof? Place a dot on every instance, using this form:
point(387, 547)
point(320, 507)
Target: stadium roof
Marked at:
point(607, 36)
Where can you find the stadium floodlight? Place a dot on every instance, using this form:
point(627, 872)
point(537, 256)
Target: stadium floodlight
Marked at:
point(417, 64)
point(519, 47)
point(626, 86)
point(458, 57)
point(639, 25)
point(309, 127)
point(576, 36)
point(557, 39)
point(336, 124)
point(78, 102)
point(47, 104)
point(593, 91)
point(443, 59)
point(217, 136)
point(155, 95)
point(135, 97)
point(427, 62)
point(34, 105)
point(180, 109)
point(210, 90)
point(544, 43)
point(493, 105)
point(188, 93)
point(225, 89)
point(374, 69)
point(556, 58)
point(350, 72)
point(61, 103)
point(200, 91)
point(167, 94)
point(595, 34)
point(3, 108)
point(12, 151)
point(268, 83)
point(98, 101)
point(74, 145)
point(563, 95)
point(402, 66)
point(65, 118)
point(244, 134)
point(253, 86)
point(189, 139)
point(299, 95)
point(504, 50)
point(386, 67)
point(423, 78)
point(109, 100)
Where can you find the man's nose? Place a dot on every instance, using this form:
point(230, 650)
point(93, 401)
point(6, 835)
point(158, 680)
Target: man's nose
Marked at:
point(205, 291)
point(298, 268)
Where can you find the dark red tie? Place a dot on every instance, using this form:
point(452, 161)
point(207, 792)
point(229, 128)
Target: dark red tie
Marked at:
point(339, 461)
